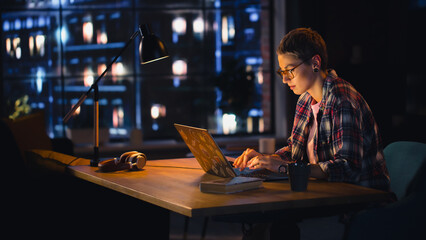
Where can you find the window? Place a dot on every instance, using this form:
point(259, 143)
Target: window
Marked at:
point(218, 75)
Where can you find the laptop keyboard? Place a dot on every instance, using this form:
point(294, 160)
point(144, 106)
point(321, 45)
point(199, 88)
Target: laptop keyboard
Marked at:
point(259, 173)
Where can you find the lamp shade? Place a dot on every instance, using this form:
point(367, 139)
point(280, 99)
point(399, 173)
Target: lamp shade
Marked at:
point(151, 48)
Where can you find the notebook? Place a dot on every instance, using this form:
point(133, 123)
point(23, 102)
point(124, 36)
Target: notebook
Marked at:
point(211, 158)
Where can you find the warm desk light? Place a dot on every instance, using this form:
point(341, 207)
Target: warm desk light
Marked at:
point(151, 49)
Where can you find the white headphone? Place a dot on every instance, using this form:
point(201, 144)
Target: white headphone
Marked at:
point(136, 160)
point(132, 160)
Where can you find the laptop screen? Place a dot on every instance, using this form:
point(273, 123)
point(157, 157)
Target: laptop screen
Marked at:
point(206, 151)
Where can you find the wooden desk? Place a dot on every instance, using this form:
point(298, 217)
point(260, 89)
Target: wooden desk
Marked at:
point(172, 184)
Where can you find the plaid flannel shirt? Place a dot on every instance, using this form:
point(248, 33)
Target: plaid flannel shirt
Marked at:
point(347, 142)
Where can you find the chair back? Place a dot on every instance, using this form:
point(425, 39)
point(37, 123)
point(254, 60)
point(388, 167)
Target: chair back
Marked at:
point(403, 160)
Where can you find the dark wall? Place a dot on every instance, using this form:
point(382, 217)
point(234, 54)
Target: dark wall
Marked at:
point(378, 46)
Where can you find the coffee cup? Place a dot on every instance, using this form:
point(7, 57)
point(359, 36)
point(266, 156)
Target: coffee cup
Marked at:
point(298, 174)
point(267, 145)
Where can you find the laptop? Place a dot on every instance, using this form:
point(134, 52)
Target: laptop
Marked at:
point(211, 158)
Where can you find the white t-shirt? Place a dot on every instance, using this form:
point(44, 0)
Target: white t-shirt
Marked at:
point(310, 150)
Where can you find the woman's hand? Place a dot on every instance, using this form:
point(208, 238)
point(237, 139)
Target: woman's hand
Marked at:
point(270, 162)
point(241, 161)
point(254, 160)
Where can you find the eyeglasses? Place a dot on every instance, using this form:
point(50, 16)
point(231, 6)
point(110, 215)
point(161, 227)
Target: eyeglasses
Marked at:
point(289, 73)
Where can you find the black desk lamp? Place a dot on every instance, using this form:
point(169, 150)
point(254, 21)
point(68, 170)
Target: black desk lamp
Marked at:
point(151, 49)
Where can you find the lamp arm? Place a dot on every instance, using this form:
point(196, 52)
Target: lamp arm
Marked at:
point(86, 94)
point(115, 59)
point(74, 108)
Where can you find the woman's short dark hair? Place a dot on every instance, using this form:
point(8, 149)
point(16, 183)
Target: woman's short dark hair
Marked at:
point(304, 43)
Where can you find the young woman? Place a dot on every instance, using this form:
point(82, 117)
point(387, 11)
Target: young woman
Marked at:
point(333, 129)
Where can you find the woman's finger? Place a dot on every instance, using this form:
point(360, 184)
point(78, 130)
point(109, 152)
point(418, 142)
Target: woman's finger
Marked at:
point(241, 161)
point(253, 162)
point(238, 160)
